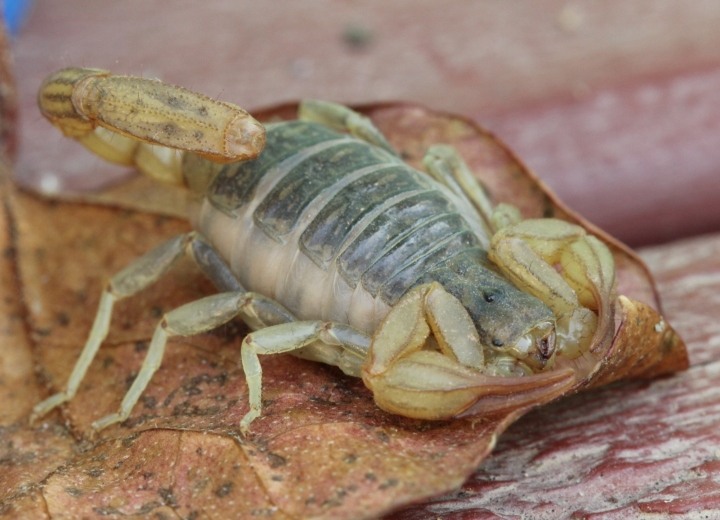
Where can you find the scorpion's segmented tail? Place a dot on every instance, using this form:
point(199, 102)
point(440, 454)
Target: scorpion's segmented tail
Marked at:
point(86, 103)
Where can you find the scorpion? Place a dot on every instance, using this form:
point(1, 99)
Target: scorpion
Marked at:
point(331, 248)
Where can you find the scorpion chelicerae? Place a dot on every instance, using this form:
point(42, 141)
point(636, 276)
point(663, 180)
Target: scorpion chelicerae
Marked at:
point(331, 248)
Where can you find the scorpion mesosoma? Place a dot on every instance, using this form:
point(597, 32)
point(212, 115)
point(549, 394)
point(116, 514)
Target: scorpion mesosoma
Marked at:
point(333, 249)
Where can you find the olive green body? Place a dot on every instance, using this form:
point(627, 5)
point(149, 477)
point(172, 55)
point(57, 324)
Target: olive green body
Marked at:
point(337, 229)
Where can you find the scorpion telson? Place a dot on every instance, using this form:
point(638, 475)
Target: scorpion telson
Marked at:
point(332, 249)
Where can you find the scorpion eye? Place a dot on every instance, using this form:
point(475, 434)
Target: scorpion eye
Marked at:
point(489, 297)
point(497, 342)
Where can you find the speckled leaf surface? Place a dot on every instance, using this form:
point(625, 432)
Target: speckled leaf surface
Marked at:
point(321, 448)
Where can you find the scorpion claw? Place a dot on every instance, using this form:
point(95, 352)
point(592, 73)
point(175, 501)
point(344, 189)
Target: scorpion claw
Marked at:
point(522, 391)
point(428, 385)
point(408, 376)
point(570, 271)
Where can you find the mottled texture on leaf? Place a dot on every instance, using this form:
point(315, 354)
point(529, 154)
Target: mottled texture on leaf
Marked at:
point(644, 346)
point(26, 454)
point(321, 447)
point(156, 472)
point(17, 387)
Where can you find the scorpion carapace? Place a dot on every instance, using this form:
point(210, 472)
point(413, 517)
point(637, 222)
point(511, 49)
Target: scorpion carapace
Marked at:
point(333, 249)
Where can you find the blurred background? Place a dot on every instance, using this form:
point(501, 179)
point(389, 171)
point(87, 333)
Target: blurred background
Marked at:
point(613, 103)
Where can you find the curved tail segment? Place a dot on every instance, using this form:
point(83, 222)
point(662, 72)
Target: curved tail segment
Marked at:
point(117, 117)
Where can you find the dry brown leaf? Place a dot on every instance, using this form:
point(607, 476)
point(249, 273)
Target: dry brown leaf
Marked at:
point(321, 448)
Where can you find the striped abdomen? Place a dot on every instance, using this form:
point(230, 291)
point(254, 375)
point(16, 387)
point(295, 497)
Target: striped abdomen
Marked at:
point(332, 227)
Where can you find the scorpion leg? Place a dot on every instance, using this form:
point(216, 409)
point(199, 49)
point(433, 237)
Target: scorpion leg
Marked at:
point(140, 274)
point(343, 118)
point(193, 318)
point(572, 272)
point(350, 348)
point(446, 165)
point(408, 376)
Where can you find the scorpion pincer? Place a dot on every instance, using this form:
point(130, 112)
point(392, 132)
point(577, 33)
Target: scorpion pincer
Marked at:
point(333, 249)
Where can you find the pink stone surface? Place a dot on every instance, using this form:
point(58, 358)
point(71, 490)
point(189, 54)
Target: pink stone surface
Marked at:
point(615, 104)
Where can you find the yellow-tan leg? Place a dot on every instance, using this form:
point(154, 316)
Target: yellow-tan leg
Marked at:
point(257, 311)
point(411, 376)
point(347, 347)
point(444, 164)
point(190, 319)
point(138, 275)
point(345, 119)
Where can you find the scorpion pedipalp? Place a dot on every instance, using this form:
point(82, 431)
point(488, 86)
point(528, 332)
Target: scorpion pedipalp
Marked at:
point(569, 270)
point(410, 377)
